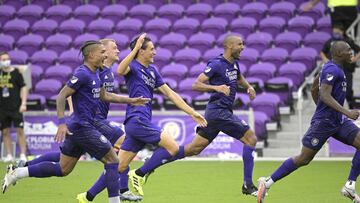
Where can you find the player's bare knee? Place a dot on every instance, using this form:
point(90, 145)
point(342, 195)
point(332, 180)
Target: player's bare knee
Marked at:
point(122, 167)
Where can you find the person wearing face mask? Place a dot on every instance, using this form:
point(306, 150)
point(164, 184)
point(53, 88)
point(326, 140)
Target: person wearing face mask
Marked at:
point(349, 68)
point(13, 96)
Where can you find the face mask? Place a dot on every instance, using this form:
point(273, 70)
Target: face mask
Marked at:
point(337, 36)
point(4, 64)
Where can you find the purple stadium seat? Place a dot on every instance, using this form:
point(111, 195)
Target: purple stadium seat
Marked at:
point(114, 12)
point(215, 26)
point(35, 102)
point(276, 56)
point(36, 74)
point(257, 83)
point(324, 24)
point(185, 87)
point(44, 58)
point(157, 4)
point(199, 11)
point(71, 3)
point(122, 41)
point(186, 26)
point(259, 41)
point(100, 4)
point(83, 38)
point(243, 25)
point(6, 42)
point(18, 57)
point(16, 28)
point(212, 53)
point(45, 4)
point(124, 53)
point(220, 40)
point(162, 57)
point(15, 4)
point(242, 68)
point(58, 13)
point(86, 13)
point(44, 27)
point(288, 41)
point(153, 38)
point(72, 27)
point(256, 10)
point(281, 86)
point(61, 73)
point(171, 12)
point(267, 103)
point(101, 27)
point(127, 3)
point(158, 26)
point(196, 70)
point(260, 124)
point(187, 56)
point(201, 41)
point(129, 27)
point(143, 12)
point(272, 25)
point(301, 25)
point(171, 83)
point(58, 43)
point(242, 101)
point(228, 11)
point(174, 71)
point(241, 3)
point(316, 40)
point(200, 102)
point(285, 10)
point(249, 56)
point(48, 87)
point(70, 58)
point(315, 13)
point(172, 41)
point(305, 55)
point(295, 71)
point(7, 12)
point(30, 43)
point(185, 3)
point(267, 2)
point(263, 71)
point(30, 13)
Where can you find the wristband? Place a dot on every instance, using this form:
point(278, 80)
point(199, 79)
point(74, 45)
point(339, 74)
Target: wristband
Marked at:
point(62, 120)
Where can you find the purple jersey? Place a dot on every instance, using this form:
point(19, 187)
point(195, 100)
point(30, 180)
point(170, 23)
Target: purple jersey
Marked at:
point(107, 79)
point(333, 75)
point(141, 81)
point(87, 85)
point(221, 72)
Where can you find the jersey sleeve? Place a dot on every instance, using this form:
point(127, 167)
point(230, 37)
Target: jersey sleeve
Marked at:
point(159, 80)
point(77, 80)
point(20, 79)
point(210, 69)
point(329, 75)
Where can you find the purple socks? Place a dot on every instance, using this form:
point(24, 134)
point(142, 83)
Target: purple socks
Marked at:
point(285, 169)
point(45, 169)
point(248, 160)
point(355, 167)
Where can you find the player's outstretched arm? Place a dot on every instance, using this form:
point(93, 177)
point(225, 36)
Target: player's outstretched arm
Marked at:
point(114, 98)
point(123, 67)
point(315, 89)
point(325, 96)
point(181, 104)
point(60, 108)
point(201, 85)
point(244, 83)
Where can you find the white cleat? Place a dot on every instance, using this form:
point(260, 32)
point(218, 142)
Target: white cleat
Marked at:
point(349, 191)
point(9, 178)
point(261, 190)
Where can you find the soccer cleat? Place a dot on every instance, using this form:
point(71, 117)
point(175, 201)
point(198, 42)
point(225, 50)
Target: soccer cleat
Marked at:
point(137, 182)
point(82, 198)
point(9, 178)
point(261, 190)
point(349, 191)
point(20, 163)
point(250, 190)
point(129, 196)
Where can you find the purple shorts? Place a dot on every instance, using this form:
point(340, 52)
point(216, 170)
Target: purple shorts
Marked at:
point(111, 132)
point(85, 138)
point(321, 130)
point(140, 132)
point(222, 120)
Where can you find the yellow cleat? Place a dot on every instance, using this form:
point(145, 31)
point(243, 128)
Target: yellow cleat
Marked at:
point(137, 182)
point(82, 198)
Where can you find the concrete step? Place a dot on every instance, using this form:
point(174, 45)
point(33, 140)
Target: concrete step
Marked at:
point(283, 143)
point(280, 152)
point(285, 135)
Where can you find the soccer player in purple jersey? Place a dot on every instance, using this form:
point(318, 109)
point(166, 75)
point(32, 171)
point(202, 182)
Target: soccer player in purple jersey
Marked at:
point(221, 77)
point(330, 119)
point(79, 132)
point(141, 79)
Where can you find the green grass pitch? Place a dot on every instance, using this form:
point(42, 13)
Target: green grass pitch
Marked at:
point(194, 182)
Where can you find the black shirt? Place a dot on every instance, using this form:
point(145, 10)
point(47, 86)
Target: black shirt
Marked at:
point(10, 86)
point(350, 67)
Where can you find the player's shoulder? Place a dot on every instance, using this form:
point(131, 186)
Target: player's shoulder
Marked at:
point(330, 66)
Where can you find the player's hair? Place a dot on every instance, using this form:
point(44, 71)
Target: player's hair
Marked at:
point(335, 47)
point(3, 53)
point(88, 46)
point(106, 41)
point(144, 45)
